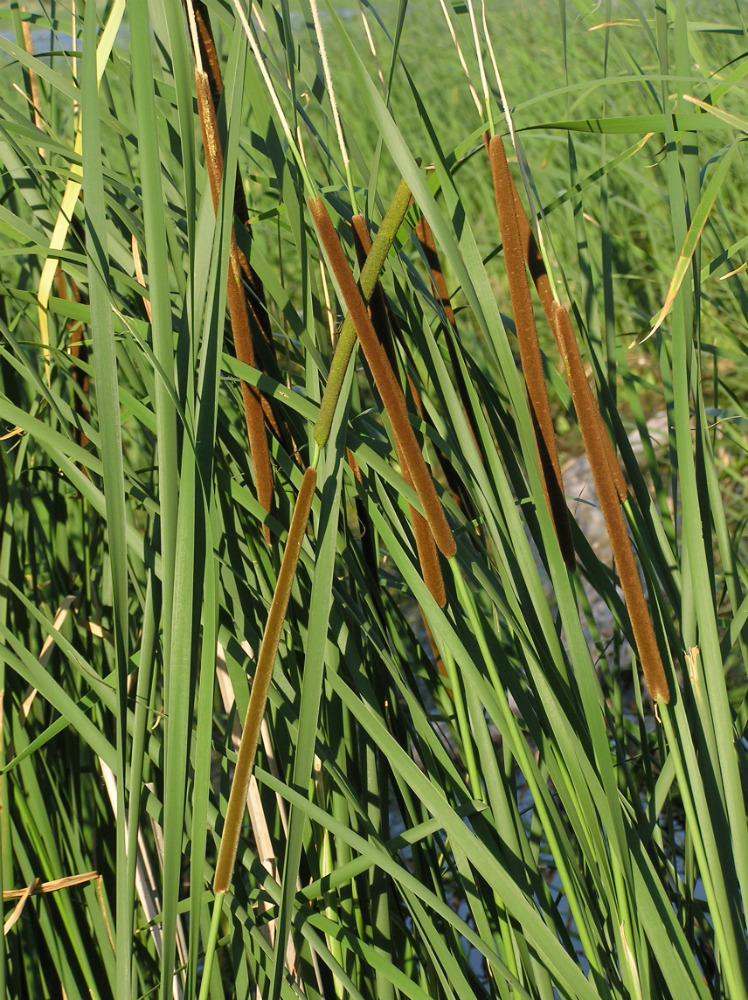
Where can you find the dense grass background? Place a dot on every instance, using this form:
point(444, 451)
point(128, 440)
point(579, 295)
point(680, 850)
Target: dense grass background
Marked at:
point(479, 800)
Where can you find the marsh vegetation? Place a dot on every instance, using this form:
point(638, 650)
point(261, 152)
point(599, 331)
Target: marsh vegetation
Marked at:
point(314, 680)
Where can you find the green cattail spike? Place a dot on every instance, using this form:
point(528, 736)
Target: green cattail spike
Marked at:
point(261, 685)
point(367, 282)
point(378, 308)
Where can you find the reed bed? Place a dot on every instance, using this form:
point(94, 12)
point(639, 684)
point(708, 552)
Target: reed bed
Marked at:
point(303, 316)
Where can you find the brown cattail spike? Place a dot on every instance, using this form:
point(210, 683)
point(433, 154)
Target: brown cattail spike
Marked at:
point(539, 274)
point(532, 255)
point(261, 685)
point(387, 329)
point(208, 52)
point(594, 436)
point(529, 349)
point(428, 557)
point(253, 403)
point(255, 299)
point(381, 315)
point(370, 272)
point(378, 307)
point(385, 380)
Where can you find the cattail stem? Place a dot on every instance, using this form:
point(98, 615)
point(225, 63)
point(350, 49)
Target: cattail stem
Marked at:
point(385, 380)
point(261, 685)
point(529, 349)
point(330, 88)
point(594, 436)
point(368, 280)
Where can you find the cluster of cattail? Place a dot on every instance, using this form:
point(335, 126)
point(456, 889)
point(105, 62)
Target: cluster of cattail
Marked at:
point(520, 249)
point(431, 529)
point(368, 322)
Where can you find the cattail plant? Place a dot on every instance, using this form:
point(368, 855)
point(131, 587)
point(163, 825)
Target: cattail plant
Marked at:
point(255, 292)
